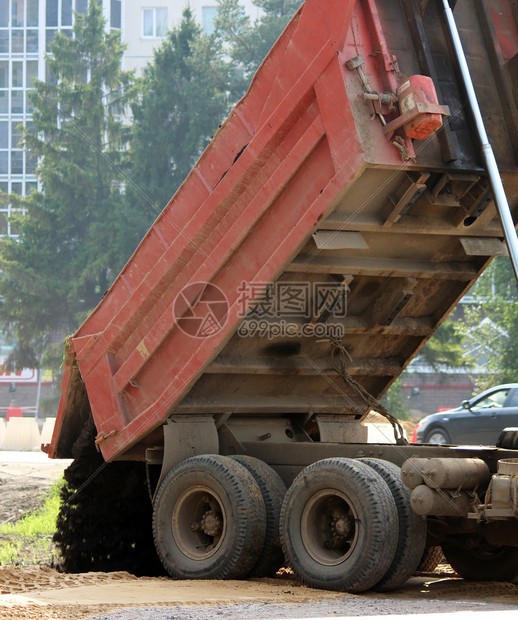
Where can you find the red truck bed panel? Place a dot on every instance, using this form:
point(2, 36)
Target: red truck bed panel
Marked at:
point(301, 186)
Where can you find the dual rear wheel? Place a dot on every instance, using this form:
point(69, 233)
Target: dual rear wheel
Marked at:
point(345, 524)
point(216, 517)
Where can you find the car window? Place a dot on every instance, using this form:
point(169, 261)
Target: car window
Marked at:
point(496, 399)
point(514, 399)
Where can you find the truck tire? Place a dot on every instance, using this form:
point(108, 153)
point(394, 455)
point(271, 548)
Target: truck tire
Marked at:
point(431, 559)
point(209, 519)
point(104, 521)
point(412, 528)
point(339, 526)
point(273, 491)
point(486, 562)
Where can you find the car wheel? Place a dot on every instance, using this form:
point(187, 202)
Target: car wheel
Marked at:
point(508, 439)
point(438, 436)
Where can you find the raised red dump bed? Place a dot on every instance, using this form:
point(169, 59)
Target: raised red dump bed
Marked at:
point(312, 182)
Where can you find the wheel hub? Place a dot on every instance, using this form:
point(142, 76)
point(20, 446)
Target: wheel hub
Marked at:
point(211, 523)
point(342, 526)
point(329, 529)
point(198, 522)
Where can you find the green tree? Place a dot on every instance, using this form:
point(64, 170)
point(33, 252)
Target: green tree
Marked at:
point(247, 42)
point(396, 401)
point(184, 97)
point(74, 236)
point(490, 327)
point(444, 349)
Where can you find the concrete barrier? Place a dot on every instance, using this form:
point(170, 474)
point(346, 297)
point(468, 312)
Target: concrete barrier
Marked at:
point(21, 434)
point(47, 430)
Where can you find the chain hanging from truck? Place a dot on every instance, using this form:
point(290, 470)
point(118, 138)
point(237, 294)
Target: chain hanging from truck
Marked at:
point(339, 357)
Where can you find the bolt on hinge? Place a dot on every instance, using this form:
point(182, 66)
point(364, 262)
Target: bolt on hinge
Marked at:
point(378, 99)
point(101, 437)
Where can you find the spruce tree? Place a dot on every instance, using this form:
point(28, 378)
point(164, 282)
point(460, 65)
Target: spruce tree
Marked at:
point(184, 97)
point(75, 234)
point(247, 42)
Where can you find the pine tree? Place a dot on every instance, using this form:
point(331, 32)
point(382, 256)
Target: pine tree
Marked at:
point(73, 238)
point(184, 97)
point(247, 42)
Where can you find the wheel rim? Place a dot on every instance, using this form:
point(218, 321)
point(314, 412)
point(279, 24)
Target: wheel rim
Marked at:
point(329, 527)
point(437, 439)
point(198, 522)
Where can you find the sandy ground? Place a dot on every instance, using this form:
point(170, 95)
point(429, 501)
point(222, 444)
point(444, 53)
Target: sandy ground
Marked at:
point(23, 478)
point(41, 593)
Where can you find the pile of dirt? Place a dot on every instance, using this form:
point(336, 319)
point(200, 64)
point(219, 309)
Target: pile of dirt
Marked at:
point(378, 419)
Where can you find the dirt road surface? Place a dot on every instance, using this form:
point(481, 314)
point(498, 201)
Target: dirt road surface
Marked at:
point(41, 593)
point(24, 476)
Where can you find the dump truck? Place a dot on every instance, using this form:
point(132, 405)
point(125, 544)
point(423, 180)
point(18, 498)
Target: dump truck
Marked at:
point(213, 400)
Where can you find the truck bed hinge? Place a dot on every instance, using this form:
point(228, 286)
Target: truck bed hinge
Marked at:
point(103, 437)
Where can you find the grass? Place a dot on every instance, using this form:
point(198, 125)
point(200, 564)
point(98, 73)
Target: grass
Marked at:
point(29, 540)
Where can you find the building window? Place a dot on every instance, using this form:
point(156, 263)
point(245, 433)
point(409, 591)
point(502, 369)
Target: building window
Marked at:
point(17, 14)
point(209, 14)
point(4, 13)
point(17, 102)
point(66, 13)
point(17, 74)
point(115, 14)
point(16, 162)
point(15, 135)
point(4, 162)
point(52, 13)
point(32, 41)
point(82, 6)
point(4, 87)
point(4, 41)
point(9, 227)
point(32, 12)
point(154, 23)
point(32, 73)
point(17, 41)
point(4, 135)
